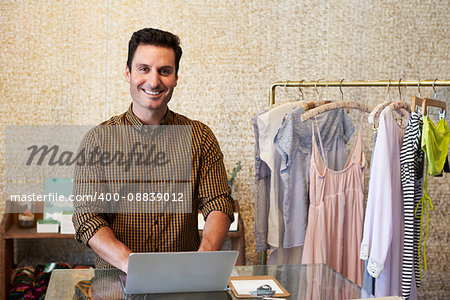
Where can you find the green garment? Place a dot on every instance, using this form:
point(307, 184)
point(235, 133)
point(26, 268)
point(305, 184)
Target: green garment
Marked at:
point(435, 142)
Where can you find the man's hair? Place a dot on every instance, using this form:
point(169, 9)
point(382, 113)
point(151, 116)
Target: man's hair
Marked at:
point(155, 37)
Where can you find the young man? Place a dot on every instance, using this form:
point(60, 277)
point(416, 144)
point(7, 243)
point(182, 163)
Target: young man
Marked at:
point(152, 72)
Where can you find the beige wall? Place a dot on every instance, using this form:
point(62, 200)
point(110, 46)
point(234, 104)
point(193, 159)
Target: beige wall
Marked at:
point(62, 62)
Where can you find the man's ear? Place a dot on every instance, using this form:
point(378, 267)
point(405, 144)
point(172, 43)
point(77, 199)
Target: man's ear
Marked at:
point(127, 74)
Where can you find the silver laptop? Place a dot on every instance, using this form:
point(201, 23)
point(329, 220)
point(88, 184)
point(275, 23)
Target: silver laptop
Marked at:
point(176, 272)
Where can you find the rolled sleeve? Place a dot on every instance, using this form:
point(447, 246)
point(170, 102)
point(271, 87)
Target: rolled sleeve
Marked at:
point(214, 192)
point(87, 225)
point(89, 181)
point(223, 203)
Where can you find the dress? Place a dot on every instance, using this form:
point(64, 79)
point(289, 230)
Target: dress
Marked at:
point(383, 224)
point(294, 144)
point(336, 213)
point(149, 229)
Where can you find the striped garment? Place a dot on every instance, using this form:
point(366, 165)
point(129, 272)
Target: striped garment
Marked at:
point(150, 228)
point(411, 163)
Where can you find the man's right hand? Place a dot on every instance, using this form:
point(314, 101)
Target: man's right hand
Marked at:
point(108, 247)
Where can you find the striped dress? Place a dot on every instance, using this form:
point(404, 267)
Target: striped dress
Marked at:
point(411, 164)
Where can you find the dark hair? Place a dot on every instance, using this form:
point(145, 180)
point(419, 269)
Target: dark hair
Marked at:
point(156, 37)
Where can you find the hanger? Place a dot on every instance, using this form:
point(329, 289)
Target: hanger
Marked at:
point(300, 90)
point(307, 105)
point(334, 105)
point(342, 94)
point(429, 102)
point(379, 108)
point(400, 106)
point(295, 103)
point(315, 87)
point(400, 103)
point(375, 113)
point(417, 101)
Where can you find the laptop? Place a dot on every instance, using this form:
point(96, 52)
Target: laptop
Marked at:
point(178, 272)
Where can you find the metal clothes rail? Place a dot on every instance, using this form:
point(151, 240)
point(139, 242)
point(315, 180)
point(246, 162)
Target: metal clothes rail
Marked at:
point(381, 83)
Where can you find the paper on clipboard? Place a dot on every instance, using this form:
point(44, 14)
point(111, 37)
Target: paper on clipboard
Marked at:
point(243, 285)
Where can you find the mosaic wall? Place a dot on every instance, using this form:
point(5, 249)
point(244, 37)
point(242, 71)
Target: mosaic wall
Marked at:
point(63, 62)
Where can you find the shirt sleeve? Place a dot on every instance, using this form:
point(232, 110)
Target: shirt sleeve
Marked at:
point(214, 192)
point(89, 182)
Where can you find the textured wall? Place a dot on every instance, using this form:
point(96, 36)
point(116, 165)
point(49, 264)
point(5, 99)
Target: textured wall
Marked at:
point(63, 63)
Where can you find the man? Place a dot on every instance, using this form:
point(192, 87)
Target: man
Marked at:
point(152, 72)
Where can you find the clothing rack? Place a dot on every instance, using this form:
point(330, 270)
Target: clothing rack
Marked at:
point(343, 83)
point(382, 83)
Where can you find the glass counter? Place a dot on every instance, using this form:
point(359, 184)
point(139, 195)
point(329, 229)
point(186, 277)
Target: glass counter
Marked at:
point(310, 282)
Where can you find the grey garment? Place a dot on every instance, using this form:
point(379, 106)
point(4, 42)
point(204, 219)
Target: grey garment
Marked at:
point(262, 194)
point(294, 143)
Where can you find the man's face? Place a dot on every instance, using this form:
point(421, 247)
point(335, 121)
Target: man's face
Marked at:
point(152, 78)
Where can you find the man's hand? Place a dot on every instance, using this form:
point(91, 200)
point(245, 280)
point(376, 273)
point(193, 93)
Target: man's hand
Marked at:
point(215, 231)
point(108, 247)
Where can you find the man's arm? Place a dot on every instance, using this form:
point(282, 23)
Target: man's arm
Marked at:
point(216, 203)
point(215, 231)
point(108, 247)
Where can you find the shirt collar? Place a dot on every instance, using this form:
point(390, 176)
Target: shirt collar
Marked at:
point(134, 120)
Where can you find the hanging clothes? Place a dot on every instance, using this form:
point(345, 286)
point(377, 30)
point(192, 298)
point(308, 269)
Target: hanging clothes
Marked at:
point(411, 167)
point(336, 212)
point(435, 142)
point(267, 180)
point(383, 226)
point(294, 144)
point(368, 280)
point(262, 188)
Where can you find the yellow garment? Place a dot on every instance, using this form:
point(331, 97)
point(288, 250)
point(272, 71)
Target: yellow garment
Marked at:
point(425, 206)
point(435, 142)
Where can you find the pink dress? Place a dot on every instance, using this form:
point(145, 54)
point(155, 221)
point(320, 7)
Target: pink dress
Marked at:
point(336, 213)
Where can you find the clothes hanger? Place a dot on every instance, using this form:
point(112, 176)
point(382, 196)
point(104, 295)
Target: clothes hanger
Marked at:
point(342, 94)
point(429, 102)
point(334, 105)
point(295, 102)
point(307, 105)
point(374, 114)
point(400, 103)
point(417, 101)
point(400, 108)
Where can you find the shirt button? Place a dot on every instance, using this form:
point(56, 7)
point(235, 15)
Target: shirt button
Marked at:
point(156, 249)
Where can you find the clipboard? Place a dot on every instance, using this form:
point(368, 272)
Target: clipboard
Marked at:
point(243, 285)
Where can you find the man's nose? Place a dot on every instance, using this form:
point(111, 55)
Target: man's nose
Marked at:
point(153, 78)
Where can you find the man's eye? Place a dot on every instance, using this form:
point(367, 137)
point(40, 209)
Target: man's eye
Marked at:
point(165, 72)
point(143, 69)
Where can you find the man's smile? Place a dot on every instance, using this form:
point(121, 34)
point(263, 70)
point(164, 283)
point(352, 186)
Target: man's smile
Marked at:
point(152, 93)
